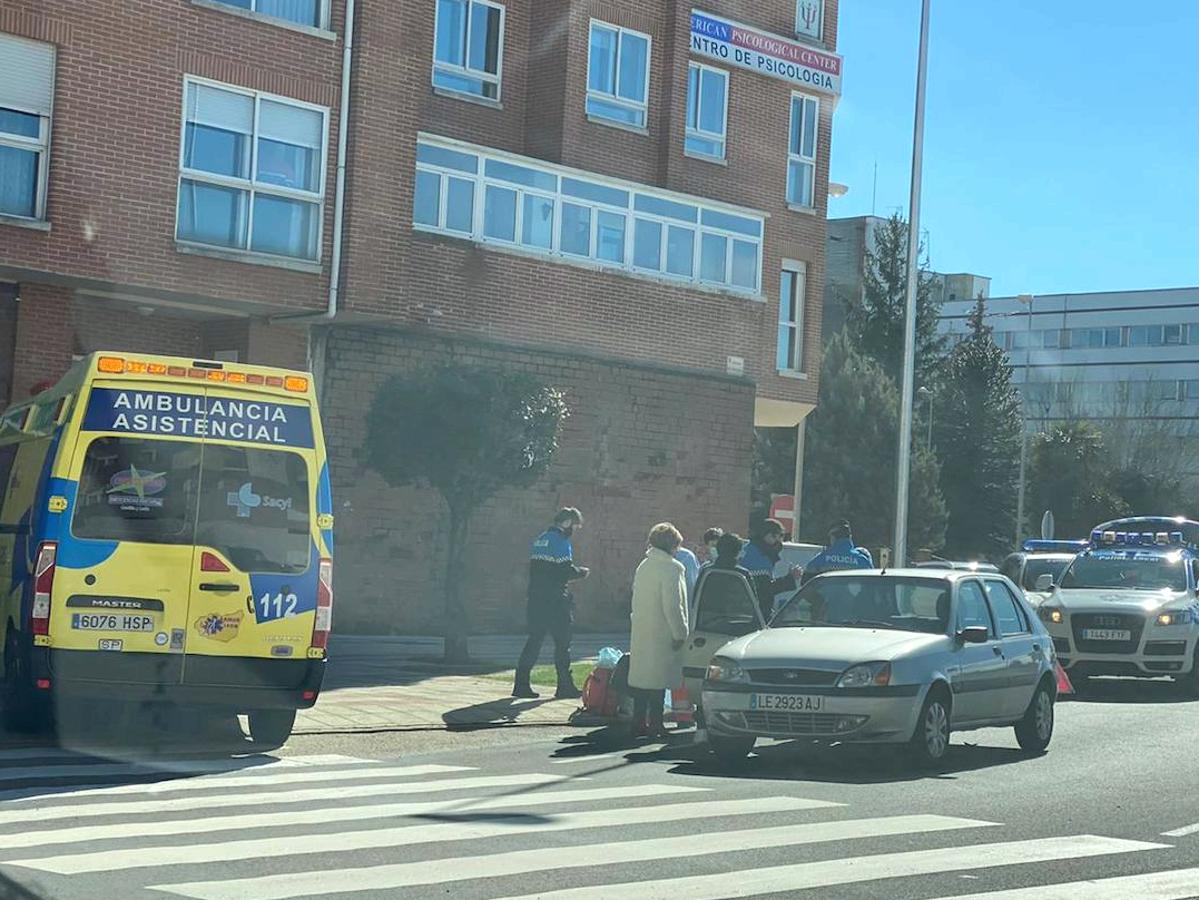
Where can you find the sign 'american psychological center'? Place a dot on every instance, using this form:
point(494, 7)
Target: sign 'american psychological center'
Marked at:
point(765, 53)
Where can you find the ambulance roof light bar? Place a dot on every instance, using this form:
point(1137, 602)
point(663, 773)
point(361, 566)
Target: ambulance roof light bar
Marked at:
point(201, 371)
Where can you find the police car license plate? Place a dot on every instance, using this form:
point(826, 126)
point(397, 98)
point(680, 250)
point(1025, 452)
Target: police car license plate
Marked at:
point(111, 622)
point(786, 702)
point(1106, 634)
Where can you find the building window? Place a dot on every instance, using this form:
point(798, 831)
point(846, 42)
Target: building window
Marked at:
point(26, 97)
point(791, 303)
point(801, 154)
point(494, 197)
point(252, 171)
point(468, 48)
point(618, 75)
point(707, 110)
point(302, 12)
point(1173, 334)
point(809, 18)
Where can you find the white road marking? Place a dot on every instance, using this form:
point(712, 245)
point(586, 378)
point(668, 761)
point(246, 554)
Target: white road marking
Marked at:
point(218, 782)
point(26, 774)
point(1182, 832)
point(563, 760)
point(383, 808)
point(407, 835)
point(442, 871)
point(1180, 884)
point(851, 870)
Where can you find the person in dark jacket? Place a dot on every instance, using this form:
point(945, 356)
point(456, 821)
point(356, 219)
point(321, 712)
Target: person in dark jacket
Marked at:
point(550, 604)
point(760, 557)
point(841, 553)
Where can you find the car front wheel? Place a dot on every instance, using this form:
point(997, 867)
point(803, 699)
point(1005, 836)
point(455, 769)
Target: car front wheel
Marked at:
point(1035, 730)
point(930, 741)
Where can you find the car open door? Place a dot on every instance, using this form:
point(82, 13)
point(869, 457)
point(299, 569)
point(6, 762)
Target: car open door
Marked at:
point(725, 608)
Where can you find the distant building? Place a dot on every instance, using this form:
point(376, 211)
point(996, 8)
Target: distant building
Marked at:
point(1126, 358)
point(849, 241)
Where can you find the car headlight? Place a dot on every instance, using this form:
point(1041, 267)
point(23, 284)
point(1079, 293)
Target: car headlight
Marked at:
point(1050, 615)
point(875, 674)
point(1176, 617)
point(721, 669)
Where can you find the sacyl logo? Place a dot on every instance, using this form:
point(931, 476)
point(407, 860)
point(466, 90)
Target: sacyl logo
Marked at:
point(245, 500)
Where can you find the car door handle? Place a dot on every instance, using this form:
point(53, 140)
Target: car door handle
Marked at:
point(998, 651)
point(219, 587)
point(699, 642)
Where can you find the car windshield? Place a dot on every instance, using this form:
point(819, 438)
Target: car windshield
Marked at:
point(1035, 567)
point(1127, 570)
point(875, 601)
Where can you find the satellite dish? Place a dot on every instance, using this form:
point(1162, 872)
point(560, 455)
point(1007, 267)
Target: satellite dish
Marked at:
point(1047, 525)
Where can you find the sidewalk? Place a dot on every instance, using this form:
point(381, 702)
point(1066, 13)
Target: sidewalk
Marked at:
point(399, 683)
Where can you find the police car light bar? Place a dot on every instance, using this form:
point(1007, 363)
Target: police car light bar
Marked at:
point(1039, 545)
point(1133, 538)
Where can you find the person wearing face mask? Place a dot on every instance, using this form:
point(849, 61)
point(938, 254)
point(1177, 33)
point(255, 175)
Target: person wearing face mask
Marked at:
point(551, 604)
point(759, 558)
point(711, 539)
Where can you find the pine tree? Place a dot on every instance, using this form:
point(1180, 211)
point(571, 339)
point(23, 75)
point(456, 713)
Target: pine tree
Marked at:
point(875, 320)
point(1069, 475)
point(849, 456)
point(977, 424)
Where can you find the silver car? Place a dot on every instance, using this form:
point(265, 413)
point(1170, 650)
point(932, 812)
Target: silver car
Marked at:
point(902, 656)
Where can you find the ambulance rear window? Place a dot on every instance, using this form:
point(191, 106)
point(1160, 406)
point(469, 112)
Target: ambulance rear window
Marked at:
point(138, 489)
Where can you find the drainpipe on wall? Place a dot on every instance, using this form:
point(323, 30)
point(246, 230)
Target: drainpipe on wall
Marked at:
point(339, 196)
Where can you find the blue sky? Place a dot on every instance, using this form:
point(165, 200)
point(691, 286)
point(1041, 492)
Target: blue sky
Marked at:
point(1061, 141)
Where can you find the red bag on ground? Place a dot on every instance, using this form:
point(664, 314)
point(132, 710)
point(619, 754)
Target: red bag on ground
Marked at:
point(598, 697)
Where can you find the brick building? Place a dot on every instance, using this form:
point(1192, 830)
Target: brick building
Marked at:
point(627, 198)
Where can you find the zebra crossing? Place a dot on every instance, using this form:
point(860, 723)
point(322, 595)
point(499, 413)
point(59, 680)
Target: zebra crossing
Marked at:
point(273, 828)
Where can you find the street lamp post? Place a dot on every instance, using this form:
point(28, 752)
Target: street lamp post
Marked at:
point(1026, 299)
point(903, 473)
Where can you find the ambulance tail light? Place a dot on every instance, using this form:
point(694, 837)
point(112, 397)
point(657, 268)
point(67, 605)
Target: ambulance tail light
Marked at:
point(324, 605)
point(43, 584)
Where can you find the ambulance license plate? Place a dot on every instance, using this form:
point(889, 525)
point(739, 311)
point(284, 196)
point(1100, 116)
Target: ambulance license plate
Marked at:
point(111, 622)
point(786, 702)
point(1106, 634)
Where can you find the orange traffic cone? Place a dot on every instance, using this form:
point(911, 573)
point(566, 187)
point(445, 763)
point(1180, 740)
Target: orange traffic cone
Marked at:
point(1063, 680)
point(682, 710)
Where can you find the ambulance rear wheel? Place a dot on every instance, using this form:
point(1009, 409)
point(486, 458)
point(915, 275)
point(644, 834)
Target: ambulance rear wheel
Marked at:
point(270, 728)
point(25, 711)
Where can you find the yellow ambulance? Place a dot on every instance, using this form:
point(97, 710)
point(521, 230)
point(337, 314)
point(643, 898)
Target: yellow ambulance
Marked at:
point(166, 534)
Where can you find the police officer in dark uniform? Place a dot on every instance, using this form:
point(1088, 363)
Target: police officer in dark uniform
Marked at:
point(551, 605)
point(759, 558)
point(841, 553)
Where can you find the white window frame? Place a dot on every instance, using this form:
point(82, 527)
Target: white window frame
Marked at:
point(39, 145)
point(465, 71)
point(641, 106)
point(250, 185)
point(323, 14)
point(628, 211)
point(697, 132)
point(794, 157)
point(819, 35)
point(799, 270)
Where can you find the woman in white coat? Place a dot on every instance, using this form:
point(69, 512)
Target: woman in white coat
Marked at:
point(659, 628)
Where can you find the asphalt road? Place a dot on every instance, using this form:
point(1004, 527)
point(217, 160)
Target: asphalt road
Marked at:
point(526, 812)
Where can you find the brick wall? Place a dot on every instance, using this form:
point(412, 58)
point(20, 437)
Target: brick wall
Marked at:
point(642, 446)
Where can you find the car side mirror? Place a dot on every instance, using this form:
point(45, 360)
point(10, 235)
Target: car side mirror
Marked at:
point(1044, 583)
point(975, 634)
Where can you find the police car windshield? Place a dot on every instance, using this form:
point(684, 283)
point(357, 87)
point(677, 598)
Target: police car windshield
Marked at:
point(1034, 568)
point(1127, 570)
point(878, 601)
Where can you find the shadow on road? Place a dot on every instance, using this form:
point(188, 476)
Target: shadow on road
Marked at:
point(490, 713)
point(781, 761)
point(1129, 690)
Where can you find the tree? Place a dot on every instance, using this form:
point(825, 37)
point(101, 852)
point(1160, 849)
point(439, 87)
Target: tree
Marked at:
point(875, 320)
point(773, 469)
point(977, 435)
point(467, 433)
point(850, 451)
point(1069, 474)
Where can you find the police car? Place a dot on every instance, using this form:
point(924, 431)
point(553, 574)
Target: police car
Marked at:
point(1038, 557)
point(1128, 604)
